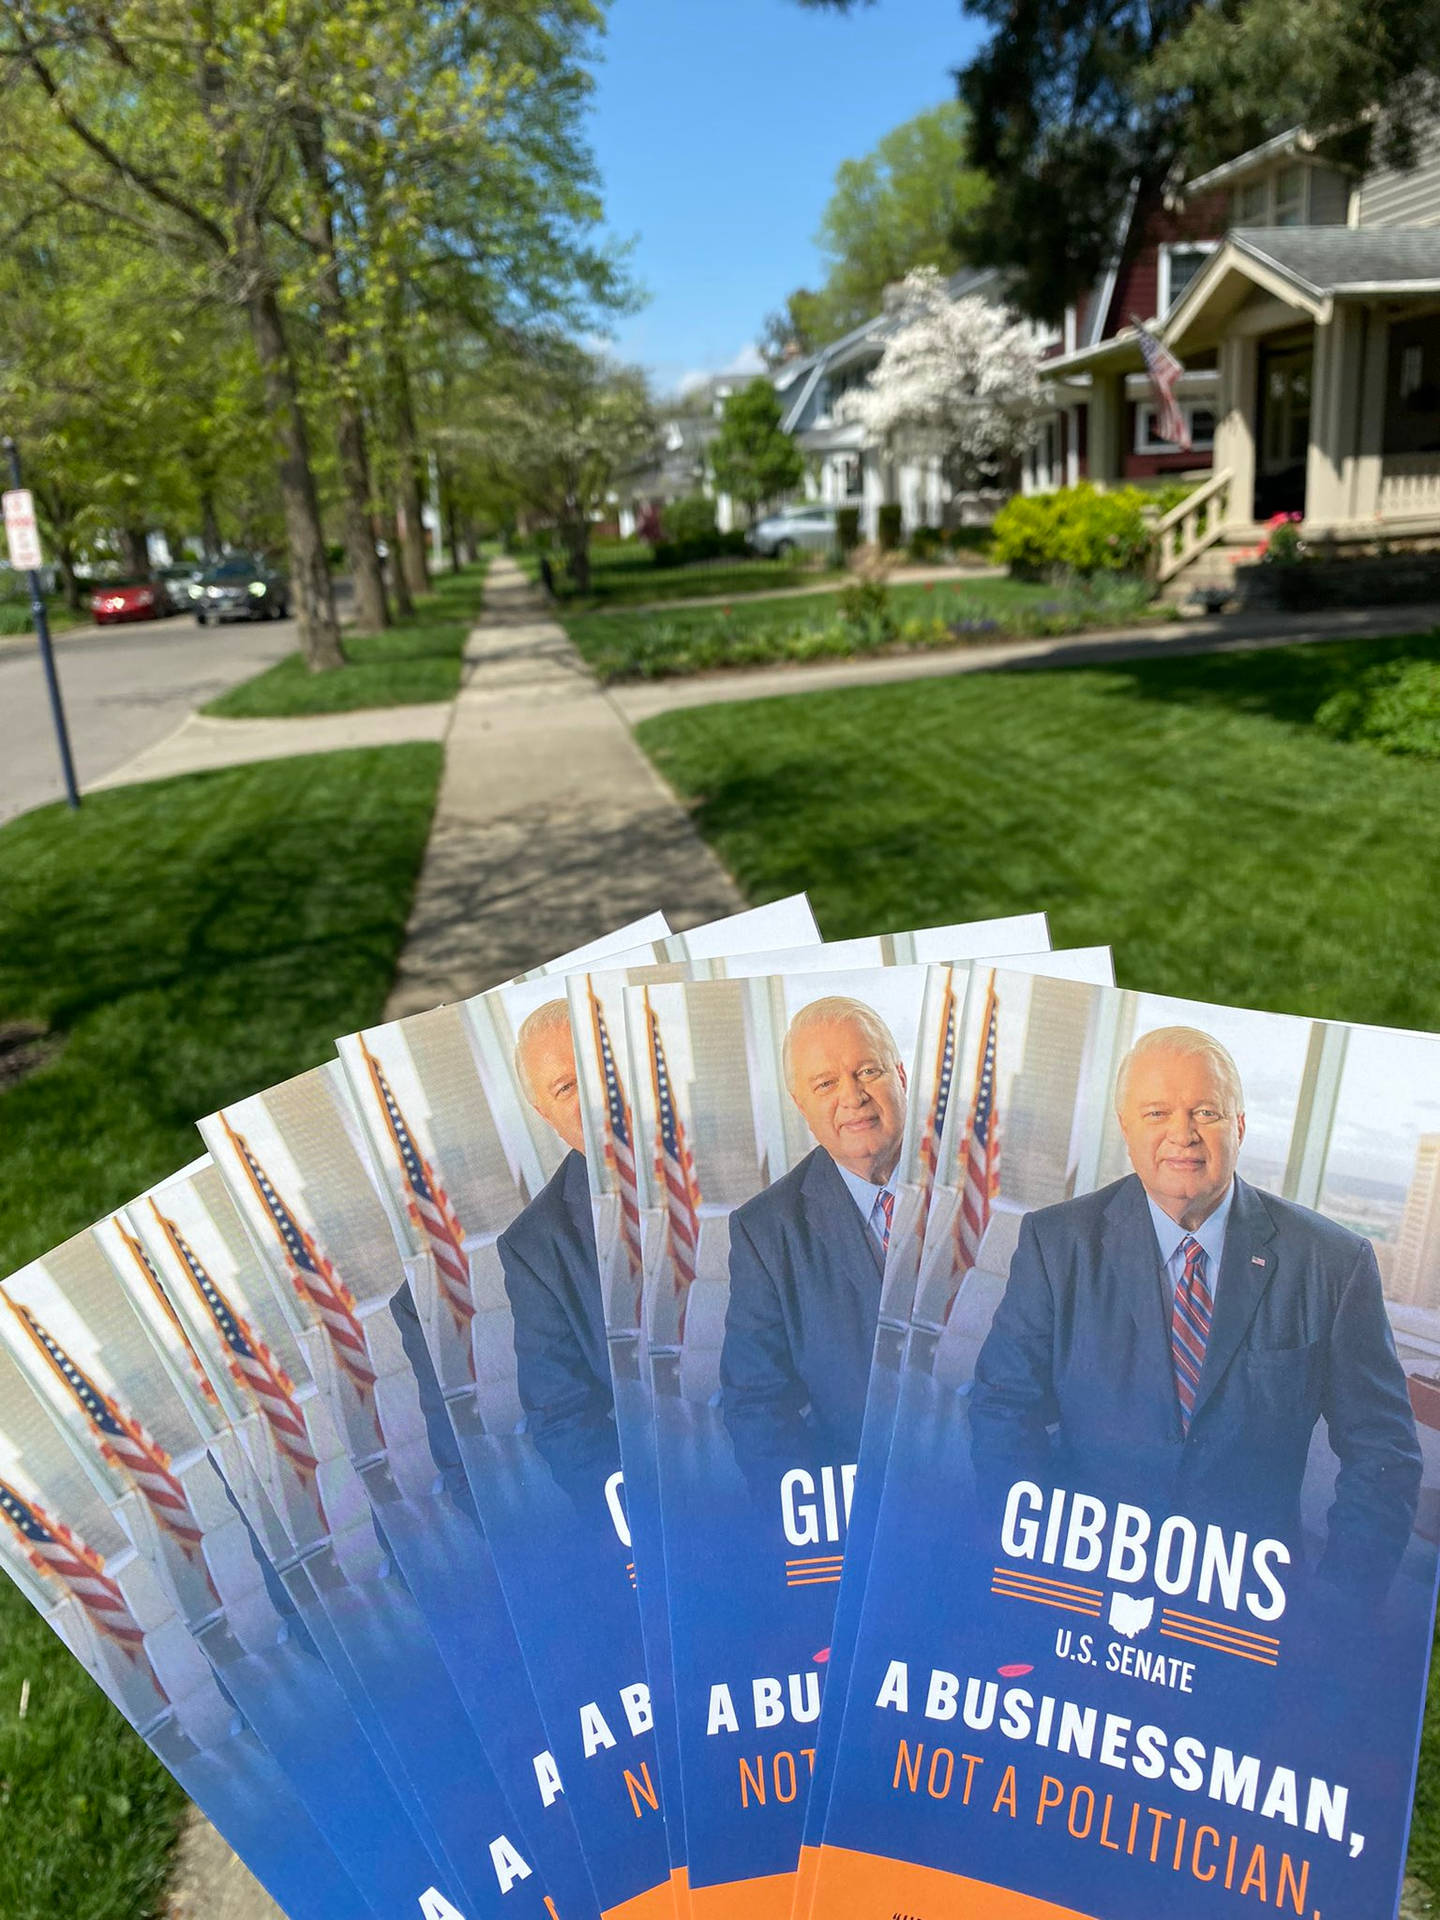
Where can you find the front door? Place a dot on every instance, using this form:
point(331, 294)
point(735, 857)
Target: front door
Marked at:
point(1284, 436)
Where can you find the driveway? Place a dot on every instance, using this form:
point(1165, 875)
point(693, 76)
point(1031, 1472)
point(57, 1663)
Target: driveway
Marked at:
point(125, 687)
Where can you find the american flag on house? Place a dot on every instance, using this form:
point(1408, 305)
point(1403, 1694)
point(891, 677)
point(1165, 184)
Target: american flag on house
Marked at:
point(252, 1365)
point(430, 1210)
point(52, 1549)
point(313, 1277)
point(1164, 371)
point(940, 1100)
point(152, 1280)
point(674, 1171)
point(619, 1143)
point(124, 1443)
point(980, 1162)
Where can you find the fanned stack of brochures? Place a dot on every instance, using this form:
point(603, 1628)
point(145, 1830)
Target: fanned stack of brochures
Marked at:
point(730, 1425)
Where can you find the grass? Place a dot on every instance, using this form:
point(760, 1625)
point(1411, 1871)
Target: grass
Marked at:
point(186, 943)
point(1188, 812)
point(623, 574)
point(649, 646)
point(414, 662)
point(16, 618)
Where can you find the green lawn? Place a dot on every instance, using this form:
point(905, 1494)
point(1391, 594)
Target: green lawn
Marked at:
point(623, 573)
point(186, 943)
point(414, 662)
point(650, 646)
point(1186, 811)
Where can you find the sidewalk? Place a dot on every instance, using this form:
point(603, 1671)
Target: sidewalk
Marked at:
point(200, 743)
point(552, 826)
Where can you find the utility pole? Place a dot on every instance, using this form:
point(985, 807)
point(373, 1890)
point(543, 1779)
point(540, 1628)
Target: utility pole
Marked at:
point(23, 536)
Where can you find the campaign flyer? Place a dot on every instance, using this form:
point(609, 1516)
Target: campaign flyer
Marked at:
point(472, 1120)
point(935, 1166)
point(599, 999)
point(758, 1376)
point(1150, 1599)
point(314, 1270)
point(119, 1530)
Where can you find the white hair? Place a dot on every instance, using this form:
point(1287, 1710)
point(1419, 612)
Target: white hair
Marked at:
point(538, 1025)
point(1191, 1044)
point(822, 1013)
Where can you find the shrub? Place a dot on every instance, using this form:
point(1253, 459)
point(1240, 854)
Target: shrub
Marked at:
point(1283, 545)
point(888, 528)
point(847, 528)
point(924, 543)
point(710, 546)
point(866, 609)
point(1395, 705)
point(690, 519)
point(1077, 530)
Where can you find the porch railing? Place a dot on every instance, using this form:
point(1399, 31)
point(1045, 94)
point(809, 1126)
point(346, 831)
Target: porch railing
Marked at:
point(1195, 524)
point(1409, 485)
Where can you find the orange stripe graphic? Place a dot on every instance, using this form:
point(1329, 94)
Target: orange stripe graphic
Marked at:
point(1216, 1646)
point(1266, 1642)
point(1042, 1580)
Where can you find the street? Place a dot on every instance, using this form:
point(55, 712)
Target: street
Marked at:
point(124, 688)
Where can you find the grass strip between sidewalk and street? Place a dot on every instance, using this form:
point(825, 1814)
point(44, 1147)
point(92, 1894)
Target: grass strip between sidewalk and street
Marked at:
point(829, 626)
point(181, 944)
point(1188, 812)
point(415, 662)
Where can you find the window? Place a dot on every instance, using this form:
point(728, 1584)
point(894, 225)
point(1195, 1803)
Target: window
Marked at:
point(1250, 204)
point(1412, 370)
point(1180, 261)
point(848, 472)
point(1200, 419)
point(1289, 202)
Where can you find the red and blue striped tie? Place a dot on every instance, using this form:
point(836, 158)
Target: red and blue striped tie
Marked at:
point(886, 1204)
point(1190, 1327)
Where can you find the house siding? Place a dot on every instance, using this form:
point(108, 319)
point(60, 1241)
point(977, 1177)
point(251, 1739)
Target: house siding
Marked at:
point(1137, 286)
point(1390, 198)
point(1329, 197)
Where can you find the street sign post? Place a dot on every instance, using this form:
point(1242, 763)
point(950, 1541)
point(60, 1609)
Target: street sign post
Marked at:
point(22, 536)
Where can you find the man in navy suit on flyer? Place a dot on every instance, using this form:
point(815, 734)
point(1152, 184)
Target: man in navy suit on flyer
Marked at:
point(806, 1256)
point(547, 1254)
point(1173, 1339)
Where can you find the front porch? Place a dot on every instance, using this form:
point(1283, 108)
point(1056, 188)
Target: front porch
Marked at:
point(1326, 343)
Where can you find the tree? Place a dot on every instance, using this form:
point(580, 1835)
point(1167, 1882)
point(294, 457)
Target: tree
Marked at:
point(555, 426)
point(958, 381)
point(901, 206)
point(750, 457)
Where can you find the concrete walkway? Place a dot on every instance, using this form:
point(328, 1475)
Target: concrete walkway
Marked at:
point(200, 742)
point(1223, 633)
point(552, 826)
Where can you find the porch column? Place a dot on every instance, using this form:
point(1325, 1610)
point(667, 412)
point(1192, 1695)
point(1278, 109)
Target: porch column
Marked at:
point(1235, 429)
point(1107, 413)
point(1334, 416)
point(1370, 439)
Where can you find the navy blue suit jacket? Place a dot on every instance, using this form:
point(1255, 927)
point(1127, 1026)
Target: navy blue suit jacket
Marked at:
point(1074, 1384)
point(552, 1276)
point(800, 1326)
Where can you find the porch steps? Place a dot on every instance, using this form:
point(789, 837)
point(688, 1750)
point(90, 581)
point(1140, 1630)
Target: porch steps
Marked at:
point(1212, 569)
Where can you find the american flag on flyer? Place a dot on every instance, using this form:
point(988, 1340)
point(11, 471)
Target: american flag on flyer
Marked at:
point(123, 1441)
point(152, 1279)
point(674, 1170)
point(313, 1277)
point(940, 1101)
point(53, 1549)
point(430, 1210)
point(981, 1162)
point(251, 1363)
point(619, 1143)
point(1164, 371)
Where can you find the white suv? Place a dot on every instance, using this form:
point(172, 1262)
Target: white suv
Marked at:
point(812, 528)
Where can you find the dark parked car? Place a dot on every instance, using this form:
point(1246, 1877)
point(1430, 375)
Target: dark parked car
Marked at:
point(240, 587)
point(179, 578)
point(130, 600)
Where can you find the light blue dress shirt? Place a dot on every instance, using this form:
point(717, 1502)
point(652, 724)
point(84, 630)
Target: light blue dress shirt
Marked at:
point(1172, 1237)
point(867, 1197)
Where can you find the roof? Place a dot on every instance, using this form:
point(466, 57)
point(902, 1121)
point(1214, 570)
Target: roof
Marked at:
point(1293, 140)
point(1347, 260)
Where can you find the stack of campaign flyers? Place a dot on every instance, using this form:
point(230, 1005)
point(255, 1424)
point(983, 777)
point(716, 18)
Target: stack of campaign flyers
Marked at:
point(735, 1427)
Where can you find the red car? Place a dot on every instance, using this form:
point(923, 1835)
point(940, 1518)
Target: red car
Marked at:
point(133, 600)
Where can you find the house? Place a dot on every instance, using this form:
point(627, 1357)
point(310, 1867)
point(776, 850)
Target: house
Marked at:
point(846, 472)
point(678, 465)
point(1315, 316)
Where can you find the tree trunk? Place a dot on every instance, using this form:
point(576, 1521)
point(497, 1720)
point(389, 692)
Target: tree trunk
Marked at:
point(371, 610)
point(310, 587)
point(399, 585)
point(406, 447)
point(69, 581)
point(135, 552)
point(209, 526)
point(576, 535)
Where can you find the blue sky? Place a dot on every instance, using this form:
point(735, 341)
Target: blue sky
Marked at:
point(718, 126)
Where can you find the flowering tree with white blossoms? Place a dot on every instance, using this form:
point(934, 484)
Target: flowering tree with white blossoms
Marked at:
point(958, 381)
